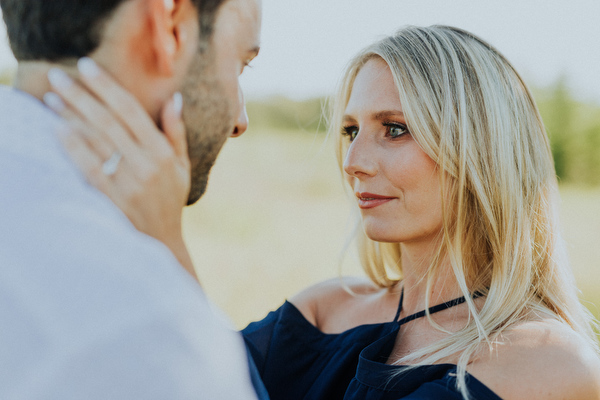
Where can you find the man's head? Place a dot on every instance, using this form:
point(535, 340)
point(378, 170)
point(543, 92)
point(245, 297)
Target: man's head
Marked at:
point(153, 48)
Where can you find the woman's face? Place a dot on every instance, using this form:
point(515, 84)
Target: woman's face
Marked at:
point(396, 184)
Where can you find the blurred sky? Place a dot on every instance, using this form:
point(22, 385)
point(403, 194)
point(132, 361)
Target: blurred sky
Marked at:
point(305, 44)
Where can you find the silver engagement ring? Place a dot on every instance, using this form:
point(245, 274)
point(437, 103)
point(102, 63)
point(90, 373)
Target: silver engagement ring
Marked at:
point(109, 168)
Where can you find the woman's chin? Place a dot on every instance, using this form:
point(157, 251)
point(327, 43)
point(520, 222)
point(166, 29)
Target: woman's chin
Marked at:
point(385, 237)
point(378, 234)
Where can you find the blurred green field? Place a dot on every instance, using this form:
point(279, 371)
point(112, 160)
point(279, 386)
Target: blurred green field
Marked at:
point(275, 220)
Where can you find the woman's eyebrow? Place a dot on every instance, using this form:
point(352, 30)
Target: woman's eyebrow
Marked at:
point(377, 116)
point(387, 114)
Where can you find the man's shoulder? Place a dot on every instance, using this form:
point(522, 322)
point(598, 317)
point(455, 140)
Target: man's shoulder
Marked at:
point(101, 301)
point(29, 146)
point(85, 294)
point(21, 108)
point(66, 250)
point(86, 300)
point(51, 216)
point(77, 243)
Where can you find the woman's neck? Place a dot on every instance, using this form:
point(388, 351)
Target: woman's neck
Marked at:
point(417, 260)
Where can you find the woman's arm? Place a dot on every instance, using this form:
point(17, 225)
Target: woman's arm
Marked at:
point(149, 179)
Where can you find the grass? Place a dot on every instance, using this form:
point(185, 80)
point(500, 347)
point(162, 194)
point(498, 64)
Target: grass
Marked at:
point(275, 219)
point(580, 220)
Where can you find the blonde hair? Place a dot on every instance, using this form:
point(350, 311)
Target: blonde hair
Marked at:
point(471, 112)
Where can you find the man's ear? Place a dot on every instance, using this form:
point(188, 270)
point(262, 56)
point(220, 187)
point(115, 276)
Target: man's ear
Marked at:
point(169, 23)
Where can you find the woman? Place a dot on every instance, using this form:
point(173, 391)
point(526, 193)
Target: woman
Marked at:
point(443, 146)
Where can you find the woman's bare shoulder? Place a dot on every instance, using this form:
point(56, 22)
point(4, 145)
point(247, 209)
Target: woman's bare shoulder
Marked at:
point(543, 359)
point(340, 304)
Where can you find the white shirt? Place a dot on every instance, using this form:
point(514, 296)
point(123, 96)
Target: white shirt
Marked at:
point(89, 307)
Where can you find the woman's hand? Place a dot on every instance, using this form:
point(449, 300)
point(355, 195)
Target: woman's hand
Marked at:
point(120, 150)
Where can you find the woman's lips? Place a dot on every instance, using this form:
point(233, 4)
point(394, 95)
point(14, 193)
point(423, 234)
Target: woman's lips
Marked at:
point(371, 200)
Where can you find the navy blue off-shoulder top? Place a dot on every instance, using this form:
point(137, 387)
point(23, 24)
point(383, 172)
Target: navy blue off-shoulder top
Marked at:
point(297, 361)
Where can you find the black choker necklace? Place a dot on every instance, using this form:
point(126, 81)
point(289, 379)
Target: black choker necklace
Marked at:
point(434, 309)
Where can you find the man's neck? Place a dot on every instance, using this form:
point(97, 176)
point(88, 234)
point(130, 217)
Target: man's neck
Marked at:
point(32, 76)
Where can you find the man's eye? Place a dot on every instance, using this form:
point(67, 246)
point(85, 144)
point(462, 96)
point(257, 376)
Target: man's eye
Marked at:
point(396, 130)
point(350, 132)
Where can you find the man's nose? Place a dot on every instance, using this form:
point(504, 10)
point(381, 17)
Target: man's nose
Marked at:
point(242, 121)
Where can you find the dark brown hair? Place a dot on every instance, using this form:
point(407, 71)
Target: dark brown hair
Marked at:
point(58, 29)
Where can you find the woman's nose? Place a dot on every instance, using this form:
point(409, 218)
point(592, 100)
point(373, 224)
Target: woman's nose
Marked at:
point(242, 121)
point(360, 160)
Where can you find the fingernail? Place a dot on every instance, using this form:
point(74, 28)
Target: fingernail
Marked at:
point(88, 67)
point(54, 101)
point(59, 79)
point(177, 103)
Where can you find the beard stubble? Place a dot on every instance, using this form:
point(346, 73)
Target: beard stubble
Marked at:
point(207, 115)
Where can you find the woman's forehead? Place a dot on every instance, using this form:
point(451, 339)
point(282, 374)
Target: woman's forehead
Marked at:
point(374, 90)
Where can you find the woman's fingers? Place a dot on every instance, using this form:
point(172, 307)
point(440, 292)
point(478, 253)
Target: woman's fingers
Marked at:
point(103, 148)
point(119, 186)
point(88, 161)
point(150, 182)
point(173, 126)
point(90, 109)
point(120, 102)
point(143, 167)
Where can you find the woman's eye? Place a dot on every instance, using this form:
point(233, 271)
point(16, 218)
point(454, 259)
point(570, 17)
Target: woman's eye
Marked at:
point(350, 132)
point(396, 130)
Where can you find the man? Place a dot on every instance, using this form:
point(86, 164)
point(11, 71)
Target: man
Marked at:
point(90, 308)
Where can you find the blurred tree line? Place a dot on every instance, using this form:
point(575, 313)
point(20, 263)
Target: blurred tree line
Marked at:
point(572, 125)
point(574, 130)
point(282, 113)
